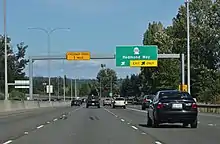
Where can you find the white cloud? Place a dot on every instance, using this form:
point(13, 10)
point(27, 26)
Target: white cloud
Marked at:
point(78, 69)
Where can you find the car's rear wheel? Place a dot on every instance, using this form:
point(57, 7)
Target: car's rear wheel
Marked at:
point(149, 121)
point(124, 107)
point(113, 106)
point(87, 106)
point(185, 124)
point(98, 106)
point(194, 124)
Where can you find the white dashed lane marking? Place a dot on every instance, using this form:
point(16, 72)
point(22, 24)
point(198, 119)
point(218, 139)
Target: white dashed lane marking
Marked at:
point(122, 120)
point(110, 112)
point(8, 142)
point(55, 120)
point(157, 142)
point(40, 126)
point(134, 127)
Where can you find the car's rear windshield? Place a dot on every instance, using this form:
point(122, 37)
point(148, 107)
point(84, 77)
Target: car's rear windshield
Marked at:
point(175, 95)
point(119, 99)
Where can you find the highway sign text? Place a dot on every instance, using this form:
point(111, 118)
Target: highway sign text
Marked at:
point(137, 56)
point(78, 56)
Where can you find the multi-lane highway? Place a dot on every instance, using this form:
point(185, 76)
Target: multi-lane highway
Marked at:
point(80, 125)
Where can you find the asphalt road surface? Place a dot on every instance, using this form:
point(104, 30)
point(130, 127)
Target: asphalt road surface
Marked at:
point(80, 125)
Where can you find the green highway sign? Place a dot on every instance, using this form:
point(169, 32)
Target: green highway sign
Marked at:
point(137, 56)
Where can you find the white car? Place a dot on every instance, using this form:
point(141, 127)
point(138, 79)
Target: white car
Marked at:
point(119, 102)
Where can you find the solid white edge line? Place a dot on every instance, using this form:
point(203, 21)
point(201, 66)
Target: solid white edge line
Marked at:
point(134, 127)
point(8, 142)
point(40, 126)
point(157, 142)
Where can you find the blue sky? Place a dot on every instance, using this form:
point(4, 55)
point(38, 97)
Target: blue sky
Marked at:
point(95, 25)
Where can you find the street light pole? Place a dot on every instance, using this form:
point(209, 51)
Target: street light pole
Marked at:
point(6, 51)
point(188, 47)
point(75, 89)
point(111, 87)
point(49, 32)
point(58, 87)
point(71, 86)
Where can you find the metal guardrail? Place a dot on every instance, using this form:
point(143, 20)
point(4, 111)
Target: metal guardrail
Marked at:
point(208, 105)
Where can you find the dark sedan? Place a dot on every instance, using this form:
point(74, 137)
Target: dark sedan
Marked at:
point(171, 106)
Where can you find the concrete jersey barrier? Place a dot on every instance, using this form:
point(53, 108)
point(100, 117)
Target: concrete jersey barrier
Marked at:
point(21, 105)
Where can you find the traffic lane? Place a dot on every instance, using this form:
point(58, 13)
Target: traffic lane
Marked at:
point(14, 125)
point(170, 133)
point(204, 118)
point(87, 125)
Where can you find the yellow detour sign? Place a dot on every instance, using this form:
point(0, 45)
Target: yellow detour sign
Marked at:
point(184, 88)
point(143, 63)
point(78, 55)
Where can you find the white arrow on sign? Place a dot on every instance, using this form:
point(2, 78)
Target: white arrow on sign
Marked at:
point(122, 63)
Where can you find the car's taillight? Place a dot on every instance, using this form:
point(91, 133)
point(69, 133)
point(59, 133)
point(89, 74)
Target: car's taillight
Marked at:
point(194, 106)
point(159, 105)
point(145, 100)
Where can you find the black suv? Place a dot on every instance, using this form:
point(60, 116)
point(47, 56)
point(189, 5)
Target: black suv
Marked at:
point(93, 101)
point(171, 106)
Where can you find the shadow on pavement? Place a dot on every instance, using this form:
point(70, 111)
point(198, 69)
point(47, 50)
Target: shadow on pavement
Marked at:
point(165, 126)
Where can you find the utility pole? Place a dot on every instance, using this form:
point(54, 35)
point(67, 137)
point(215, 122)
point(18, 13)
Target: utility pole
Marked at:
point(64, 88)
point(6, 50)
point(188, 47)
point(71, 89)
point(58, 87)
point(111, 87)
point(75, 89)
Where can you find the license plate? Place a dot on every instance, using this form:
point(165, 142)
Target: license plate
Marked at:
point(177, 106)
point(93, 104)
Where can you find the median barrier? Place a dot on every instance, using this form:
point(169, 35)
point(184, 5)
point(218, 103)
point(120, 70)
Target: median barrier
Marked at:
point(209, 108)
point(10, 105)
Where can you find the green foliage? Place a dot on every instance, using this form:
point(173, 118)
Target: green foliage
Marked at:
point(204, 47)
point(107, 77)
point(16, 95)
point(84, 89)
point(131, 86)
point(16, 62)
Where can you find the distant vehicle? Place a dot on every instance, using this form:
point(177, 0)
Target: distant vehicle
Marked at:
point(93, 101)
point(119, 102)
point(83, 100)
point(146, 101)
point(171, 106)
point(76, 102)
point(107, 101)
